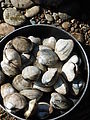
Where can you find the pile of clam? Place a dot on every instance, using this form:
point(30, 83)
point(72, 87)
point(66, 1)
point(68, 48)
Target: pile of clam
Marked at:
point(39, 76)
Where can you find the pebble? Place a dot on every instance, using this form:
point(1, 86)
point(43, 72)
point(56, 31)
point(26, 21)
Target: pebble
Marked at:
point(66, 25)
point(13, 17)
point(63, 16)
point(49, 17)
point(78, 36)
point(22, 4)
point(32, 11)
point(5, 29)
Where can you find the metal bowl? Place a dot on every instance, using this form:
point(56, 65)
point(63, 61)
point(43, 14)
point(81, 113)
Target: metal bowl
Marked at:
point(45, 31)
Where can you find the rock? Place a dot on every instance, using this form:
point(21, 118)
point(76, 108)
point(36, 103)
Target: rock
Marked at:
point(49, 17)
point(63, 16)
point(78, 36)
point(5, 29)
point(22, 4)
point(32, 11)
point(66, 25)
point(13, 17)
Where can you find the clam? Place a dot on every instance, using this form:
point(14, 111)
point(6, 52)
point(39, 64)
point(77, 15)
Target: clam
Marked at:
point(43, 68)
point(32, 93)
point(31, 109)
point(61, 86)
point(38, 85)
point(58, 101)
point(22, 44)
point(47, 57)
point(13, 57)
point(42, 47)
point(63, 48)
point(50, 42)
point(74, 59)
point(35, 40)
point(49, 77)
point(20, 84)
point(14, 101)
point(9, 70)
point(2, 77)
point(31, 73)
point(8, 45)
point(70, 70)
point(43, 110)
point(7, 89)
point(77, 85)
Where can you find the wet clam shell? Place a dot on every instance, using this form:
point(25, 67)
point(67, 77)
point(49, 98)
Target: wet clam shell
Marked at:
point(49, 77)
point(2, 77)
point(14, 101)
point(20, 84)
point(43, 110)
point(47, 57)
point(50, 42)
point(35, 40)
point(31, 73)
point(32, 93)
point(22, 44)
point(7, 89)
point(31, 109)
point(63, 48)
point(8, 70)
point(61, 86)
point(58, 101)
point(38, 85)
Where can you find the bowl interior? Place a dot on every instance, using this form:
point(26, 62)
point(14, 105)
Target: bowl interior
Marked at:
point(45, 31)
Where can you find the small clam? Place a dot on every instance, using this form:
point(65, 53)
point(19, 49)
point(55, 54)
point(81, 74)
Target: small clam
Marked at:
point(42, 47)
point(43, 110)
point(70, 70)
point(20, 84)
point(14, 101)
point(32, 93)
point(77, 85)
point(49, 77)
point(61, 86)
point(2, 77)
point(63, 48)
point(31, 73)
point(38, 85)
point(43, 68)
point(8, 70)
point(22, 44)
point(50, 42)
point(58, 101)
point(35, 40)
point(47, 57)
point(74, 59)
point(31, 109)
point(7, 89)
point(13, 57)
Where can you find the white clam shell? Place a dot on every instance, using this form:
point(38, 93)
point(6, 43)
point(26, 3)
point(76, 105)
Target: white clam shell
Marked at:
point(35, 40)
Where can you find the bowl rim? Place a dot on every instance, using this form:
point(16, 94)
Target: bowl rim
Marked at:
point(87, 64)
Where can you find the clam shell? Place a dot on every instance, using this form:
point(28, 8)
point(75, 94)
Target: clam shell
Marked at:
point(47, 57)
point(63, 48)
point(49, 77)
point(31, 109)
point(32, 93)
point(31, 73)
point(14, 101)
point(22, 44)
point(43, 110)
point(2, 77)
point(7, 89)
point(61, 86)
point(20, 84)
point(35, 40)
point(38, 85)
point(58, 101)
point(74, 59)
point(8, 70)
point(50, 42)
